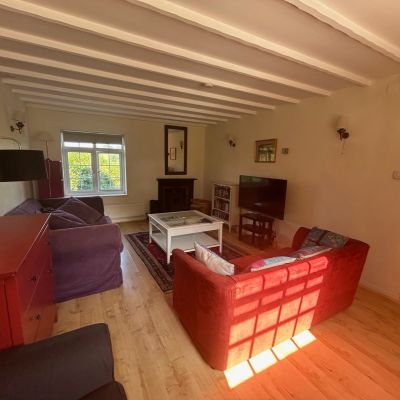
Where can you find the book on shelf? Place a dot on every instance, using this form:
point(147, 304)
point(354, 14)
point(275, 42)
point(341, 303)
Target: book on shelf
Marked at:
point(222, 191)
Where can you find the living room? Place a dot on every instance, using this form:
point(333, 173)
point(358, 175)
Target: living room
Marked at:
point(327, 89)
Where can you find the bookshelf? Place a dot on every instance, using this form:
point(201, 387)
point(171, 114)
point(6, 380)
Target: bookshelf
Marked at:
point(225, 203)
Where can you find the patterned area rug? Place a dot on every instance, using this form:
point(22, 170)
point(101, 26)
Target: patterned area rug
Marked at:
point(155, 259)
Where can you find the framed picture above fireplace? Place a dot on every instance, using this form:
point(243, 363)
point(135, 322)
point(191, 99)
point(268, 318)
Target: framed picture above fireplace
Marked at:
point(175, 150)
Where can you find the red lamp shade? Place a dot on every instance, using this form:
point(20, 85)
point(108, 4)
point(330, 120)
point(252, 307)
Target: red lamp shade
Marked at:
point(21, 165)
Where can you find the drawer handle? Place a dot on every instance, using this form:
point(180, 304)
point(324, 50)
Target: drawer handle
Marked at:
point(36, 317)
point(33, 278)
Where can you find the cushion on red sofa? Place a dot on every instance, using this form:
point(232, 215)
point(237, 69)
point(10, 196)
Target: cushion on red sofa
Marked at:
point(81, 210)
point(242, 264)
point(322, 237)
point(307, 252)
point(213, 261)
point(270, 262)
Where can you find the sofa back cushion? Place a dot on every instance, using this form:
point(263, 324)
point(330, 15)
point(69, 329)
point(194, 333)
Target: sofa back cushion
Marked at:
point(60, 219)
point(95, 202)
point(81, 210)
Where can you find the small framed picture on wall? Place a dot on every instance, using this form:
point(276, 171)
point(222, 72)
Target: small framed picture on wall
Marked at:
point(265, 150)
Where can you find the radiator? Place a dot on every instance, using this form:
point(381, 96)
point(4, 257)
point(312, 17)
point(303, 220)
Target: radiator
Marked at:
point(125, 212)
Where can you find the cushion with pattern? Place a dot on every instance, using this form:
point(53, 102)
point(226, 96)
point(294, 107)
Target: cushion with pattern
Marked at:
point(322, 237)
point(270, 262)
point(307, 252)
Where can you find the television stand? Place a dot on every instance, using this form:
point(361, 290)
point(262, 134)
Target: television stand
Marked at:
point(260, 228)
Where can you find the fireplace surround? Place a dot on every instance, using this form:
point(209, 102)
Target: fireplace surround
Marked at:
point(173, 195)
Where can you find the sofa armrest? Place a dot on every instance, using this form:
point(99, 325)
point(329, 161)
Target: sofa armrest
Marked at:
point(95, 202)
point(64, 367)
point(203, 301)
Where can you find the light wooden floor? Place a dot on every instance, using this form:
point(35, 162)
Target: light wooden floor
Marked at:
point(356, 354)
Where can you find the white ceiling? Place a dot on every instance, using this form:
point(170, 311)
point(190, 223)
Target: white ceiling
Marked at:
point(151, 58)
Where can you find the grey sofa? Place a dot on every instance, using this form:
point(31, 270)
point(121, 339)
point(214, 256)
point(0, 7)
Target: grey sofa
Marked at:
point(71, 366)
point(86, 259)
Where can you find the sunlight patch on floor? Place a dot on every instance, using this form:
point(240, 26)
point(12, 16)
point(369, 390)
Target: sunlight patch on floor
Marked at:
point(263, 361)
point(247, 369)
point(238, 374)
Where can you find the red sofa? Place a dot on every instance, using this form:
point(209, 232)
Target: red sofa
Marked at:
point(232, 318)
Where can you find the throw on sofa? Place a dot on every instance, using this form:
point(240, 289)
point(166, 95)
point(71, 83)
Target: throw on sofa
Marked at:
point(72, 366)
point(86, 258)
point(232, 318)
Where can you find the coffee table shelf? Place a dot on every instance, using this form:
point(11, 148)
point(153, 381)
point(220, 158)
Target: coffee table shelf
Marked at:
point(184, 242)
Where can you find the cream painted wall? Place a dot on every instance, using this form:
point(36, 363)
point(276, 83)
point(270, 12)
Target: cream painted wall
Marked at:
point(11, 193)
point(144, 142)
point(351, 193)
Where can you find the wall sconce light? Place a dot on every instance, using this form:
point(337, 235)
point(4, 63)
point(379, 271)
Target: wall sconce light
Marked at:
point(19, 124)
point(341, 128)
point(231, 141)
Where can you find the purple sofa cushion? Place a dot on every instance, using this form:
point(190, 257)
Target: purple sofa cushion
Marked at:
point(61, 219)
point(81, 210)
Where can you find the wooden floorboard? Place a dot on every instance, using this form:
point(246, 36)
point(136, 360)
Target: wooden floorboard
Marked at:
point(356, 354)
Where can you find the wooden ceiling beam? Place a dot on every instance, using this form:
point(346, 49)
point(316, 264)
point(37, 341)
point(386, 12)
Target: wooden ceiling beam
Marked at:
point(129, 62)
point(104, 114)
point(178, 12)
point(86, 25)
point(123, 78)
point(113, 88)
point(32, 100)
point(113, 105)
point(343, 24)
point(36, 85)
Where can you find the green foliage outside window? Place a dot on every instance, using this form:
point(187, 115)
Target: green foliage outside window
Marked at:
point(81, 172)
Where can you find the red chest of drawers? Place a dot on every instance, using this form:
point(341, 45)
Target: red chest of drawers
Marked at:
point(27, 309)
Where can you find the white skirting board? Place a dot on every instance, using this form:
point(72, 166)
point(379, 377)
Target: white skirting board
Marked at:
point(125, 212)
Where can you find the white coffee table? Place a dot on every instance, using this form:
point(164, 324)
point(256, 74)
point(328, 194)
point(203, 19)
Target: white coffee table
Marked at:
point(179, 230)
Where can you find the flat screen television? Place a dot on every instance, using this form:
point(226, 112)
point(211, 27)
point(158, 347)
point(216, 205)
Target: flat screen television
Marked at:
point(263, 195)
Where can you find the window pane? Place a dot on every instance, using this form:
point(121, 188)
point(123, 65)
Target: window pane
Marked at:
point(80, 171)
point(104, 159)
point(109, 171)
point(114, 159)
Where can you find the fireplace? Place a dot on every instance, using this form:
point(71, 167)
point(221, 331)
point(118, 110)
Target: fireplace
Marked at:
point(175, 194)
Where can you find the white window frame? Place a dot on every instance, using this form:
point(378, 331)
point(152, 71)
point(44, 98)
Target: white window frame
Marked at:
point(95, 169)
